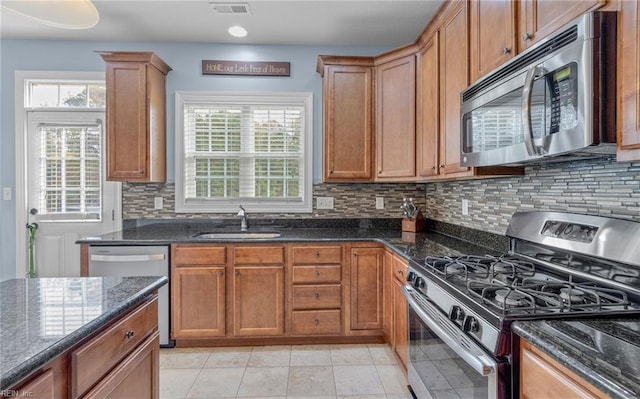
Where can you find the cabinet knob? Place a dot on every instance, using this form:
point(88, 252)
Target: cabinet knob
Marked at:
point(330, 172)
point(317, 273)
point(317, 295)
point(221, 274)
point(433, 167)
point(129, 334)
point(317, 255)
point(316, 322)
point(400, 272)
point(506, 50)
point(237, 273)
point(379, 172)
point(441, 166)
point(526, 36)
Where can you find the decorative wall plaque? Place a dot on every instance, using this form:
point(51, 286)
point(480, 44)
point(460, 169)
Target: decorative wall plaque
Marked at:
point(246, 68)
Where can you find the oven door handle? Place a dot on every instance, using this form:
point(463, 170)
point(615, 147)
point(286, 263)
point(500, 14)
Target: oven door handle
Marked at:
point(482, 364)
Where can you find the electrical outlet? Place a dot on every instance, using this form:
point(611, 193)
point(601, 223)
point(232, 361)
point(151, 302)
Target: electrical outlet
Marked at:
point(379, 202)
point(324, 203)
point(6, 193)
point(158, 203)
point(465, 207)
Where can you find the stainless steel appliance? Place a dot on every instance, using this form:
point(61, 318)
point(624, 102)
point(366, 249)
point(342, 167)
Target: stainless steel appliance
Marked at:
point(556, 98)
point(559, 266)
point(106, 261)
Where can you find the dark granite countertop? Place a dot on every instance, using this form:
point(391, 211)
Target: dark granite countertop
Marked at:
point(605, 352)
point(43, 317)
point(409, 245)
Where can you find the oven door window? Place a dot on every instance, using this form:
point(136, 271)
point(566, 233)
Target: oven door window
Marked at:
point(441, 371)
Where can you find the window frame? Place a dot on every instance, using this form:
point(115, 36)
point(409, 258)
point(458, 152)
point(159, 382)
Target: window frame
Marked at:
point(270, 205)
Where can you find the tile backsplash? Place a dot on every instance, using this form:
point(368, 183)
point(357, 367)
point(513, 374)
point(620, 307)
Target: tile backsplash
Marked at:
point(597, 187)
point(600, 187)
point(350, 201)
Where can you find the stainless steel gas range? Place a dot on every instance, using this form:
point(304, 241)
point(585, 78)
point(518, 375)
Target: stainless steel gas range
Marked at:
point(559, 266)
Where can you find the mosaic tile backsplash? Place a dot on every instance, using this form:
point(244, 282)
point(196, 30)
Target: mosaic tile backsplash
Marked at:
point(597, 187)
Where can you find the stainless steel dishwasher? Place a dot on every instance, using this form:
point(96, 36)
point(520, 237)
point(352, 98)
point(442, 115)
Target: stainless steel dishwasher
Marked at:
point(124, 261)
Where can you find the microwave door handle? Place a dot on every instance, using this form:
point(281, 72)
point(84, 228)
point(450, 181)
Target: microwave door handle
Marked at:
point(527, 92)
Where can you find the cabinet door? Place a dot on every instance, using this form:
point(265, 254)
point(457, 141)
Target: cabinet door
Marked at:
point(628, 82)
point(135, 377)
point(427, 108)
point(400, 322)
point(492, 36)
point(127, 143)
point(395, 119)
point(198, 306)
point(348, 131)
point(539, 18)
point(258, 299)
point(387, 298)
point(366, 288)
point(454, 78)
point(543, 378)
point(42, 387)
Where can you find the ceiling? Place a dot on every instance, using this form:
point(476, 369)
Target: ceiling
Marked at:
point(293, 22)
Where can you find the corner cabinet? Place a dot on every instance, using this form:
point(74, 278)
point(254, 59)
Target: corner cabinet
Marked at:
point(347, 91)
point(136, 116)
point(395, 115)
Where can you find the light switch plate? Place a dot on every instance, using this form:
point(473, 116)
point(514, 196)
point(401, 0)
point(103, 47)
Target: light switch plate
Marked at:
point(465, 207)
point(379, 202)
point(324, 203)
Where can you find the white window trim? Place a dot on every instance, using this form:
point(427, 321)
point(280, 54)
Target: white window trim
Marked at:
point(230, 206)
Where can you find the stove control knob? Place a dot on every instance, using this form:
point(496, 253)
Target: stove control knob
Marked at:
point(472, 325)
point(457, 314)
point(411, 276)
point(418, 282)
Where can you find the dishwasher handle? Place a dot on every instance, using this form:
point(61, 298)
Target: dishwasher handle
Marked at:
point(127, 258)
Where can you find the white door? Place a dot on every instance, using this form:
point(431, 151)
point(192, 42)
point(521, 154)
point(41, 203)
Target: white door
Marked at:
point(67, 195)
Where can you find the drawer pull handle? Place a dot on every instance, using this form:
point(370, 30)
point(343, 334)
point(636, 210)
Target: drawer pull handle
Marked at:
point(316, 322)
point(400, 272)
point(317, 273)
point(129, 334)
point(317, 295)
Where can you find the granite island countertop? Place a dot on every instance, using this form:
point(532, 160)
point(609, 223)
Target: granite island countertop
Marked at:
point(43, 317)
point(605, 352)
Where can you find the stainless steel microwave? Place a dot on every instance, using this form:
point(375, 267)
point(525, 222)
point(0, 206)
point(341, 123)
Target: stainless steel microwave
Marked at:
point(556, 99)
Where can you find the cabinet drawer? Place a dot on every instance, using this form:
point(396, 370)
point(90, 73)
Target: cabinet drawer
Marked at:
point(400, 269)
point(317, 274)
point(199, 255)
point(259, 255)
point(317, 255)
point(316, 296)
point(316, 322)
point(93, 360)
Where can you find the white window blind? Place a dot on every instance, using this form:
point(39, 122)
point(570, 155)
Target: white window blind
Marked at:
point(70, 171)
point(249, 149)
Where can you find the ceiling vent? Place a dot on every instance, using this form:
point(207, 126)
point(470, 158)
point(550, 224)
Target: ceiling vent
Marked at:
point(231, 8)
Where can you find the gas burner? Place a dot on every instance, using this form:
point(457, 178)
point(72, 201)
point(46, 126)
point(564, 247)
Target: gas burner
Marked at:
point(455, 268)
point(572, 295)
point(510, 297)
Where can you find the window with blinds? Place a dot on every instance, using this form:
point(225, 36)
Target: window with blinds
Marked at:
point(70, 170)
point(243, 149)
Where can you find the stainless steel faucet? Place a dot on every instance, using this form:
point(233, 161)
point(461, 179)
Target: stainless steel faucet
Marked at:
point(244, 225)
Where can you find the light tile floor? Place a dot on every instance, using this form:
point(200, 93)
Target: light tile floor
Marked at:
point(282, 372)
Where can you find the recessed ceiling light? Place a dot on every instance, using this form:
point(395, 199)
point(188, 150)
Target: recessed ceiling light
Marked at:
point(237, 31)
point(68, 14)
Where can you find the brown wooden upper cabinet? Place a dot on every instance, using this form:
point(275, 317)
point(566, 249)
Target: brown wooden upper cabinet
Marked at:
point(347, 91)
point(136, 116)
point(492, 37)
point(539, 18)
point(628, 82)
point(395, 102)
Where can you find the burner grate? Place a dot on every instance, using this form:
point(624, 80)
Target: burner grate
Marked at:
point(487, 267)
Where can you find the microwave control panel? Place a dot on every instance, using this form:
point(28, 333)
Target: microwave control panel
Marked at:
point(562, 83)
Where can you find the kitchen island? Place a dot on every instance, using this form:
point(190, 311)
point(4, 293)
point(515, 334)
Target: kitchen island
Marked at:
point(60, 336)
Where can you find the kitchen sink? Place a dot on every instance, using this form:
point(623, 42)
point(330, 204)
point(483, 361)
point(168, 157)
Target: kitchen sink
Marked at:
point(237, 234)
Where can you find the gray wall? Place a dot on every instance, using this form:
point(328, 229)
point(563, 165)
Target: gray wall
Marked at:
point(184, 58)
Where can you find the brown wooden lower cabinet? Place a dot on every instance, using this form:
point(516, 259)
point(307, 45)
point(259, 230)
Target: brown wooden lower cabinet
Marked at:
point(366, 307)
point(258, 301)
point(400, 338)
point(121, 361)
point(541, 377)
